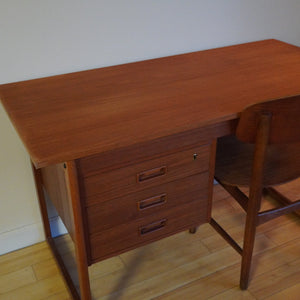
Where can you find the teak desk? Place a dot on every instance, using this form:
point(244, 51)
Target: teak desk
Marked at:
point(126, 153)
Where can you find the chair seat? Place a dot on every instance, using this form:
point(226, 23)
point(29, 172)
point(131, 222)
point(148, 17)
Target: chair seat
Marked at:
point(234, 161)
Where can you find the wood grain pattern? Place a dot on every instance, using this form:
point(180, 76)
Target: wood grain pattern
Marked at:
point(38, 180)
point(74, 115)
point(122, 181)
point(120, 211)
point(285, 121)
point(235, 160)
point(17, 279)
point(122, 157)
point(55, 186)
point(128, 236)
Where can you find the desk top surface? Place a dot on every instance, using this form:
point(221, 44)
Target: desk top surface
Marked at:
point(69, 116)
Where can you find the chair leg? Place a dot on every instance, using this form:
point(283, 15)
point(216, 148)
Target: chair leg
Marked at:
point(246, 263)
point(249, 239)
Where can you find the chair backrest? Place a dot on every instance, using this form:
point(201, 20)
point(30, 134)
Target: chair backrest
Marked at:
point(285, 121)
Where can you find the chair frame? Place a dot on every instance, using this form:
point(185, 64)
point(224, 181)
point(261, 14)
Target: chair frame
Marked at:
point(252, 204)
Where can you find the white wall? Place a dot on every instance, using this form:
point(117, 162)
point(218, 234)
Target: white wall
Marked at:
point(41, 38)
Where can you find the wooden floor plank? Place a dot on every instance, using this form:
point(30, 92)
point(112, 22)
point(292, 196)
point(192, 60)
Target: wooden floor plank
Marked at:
point(290, 293)
point(60, 296)
point(16, 279)
point(284, 233)
point(205, 287)
point(24, 258)
point(106, 267)
point(38, 290)
point(45, 269)
point(174, 278)
point(275, 280)
point(234, 293)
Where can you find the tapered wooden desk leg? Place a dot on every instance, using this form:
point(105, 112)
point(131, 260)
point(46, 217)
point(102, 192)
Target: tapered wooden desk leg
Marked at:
point(212, 162)
point(193, 230)
point(80, 249)
point(80, 252)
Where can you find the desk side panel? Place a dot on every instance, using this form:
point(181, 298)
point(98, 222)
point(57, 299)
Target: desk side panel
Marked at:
point(55, 186)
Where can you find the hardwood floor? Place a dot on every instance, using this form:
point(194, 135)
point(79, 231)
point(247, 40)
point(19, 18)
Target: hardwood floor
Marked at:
point(183, 266)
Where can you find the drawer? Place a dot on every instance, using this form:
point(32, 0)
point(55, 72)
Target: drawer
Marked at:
point(131, 179)
point(142, 231)
point(146, 202)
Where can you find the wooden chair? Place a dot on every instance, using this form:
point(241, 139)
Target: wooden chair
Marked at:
point(264, 152)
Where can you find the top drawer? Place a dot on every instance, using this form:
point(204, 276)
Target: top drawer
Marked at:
point(115, 183)
point(136, 153)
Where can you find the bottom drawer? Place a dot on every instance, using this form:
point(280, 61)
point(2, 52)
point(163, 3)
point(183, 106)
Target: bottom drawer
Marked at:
point(142, 231)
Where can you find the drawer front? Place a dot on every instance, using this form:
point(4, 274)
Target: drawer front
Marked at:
point(150, 201)
point(134, 178)
point(142, 231)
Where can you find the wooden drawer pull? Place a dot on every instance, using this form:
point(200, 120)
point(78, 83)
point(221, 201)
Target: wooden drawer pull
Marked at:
point(146, 175)
point(152, 202)
point(153, 227)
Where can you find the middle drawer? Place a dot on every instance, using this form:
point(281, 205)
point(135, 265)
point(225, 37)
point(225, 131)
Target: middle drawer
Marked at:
point(143, 203)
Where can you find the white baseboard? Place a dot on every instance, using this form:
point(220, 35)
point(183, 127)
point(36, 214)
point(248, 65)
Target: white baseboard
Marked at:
point(21, 237)
point(28, 235)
